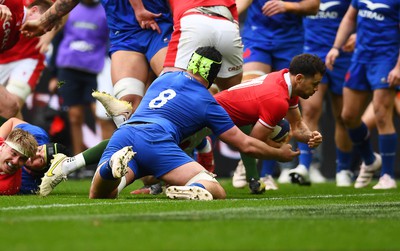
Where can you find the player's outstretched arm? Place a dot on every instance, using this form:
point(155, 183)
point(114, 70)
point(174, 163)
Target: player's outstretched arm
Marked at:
point(256, 148)
point(52, 18)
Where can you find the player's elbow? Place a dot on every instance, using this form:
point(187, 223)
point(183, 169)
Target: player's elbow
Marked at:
point(246, 146)
point(313, 8)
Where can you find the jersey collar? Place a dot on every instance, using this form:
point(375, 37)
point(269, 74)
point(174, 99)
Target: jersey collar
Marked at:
point(288, 82)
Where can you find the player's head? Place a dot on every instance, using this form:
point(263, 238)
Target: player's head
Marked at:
point(306, 72)
point(36, 8)
point(44, 155)
point(206, 61)
point(18, 147)
point(307, 64)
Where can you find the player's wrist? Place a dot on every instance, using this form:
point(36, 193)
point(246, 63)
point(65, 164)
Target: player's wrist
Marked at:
point(336, 48)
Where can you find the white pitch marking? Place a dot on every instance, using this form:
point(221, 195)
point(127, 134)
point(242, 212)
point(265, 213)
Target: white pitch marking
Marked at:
point(180, 201)
point(275, 212)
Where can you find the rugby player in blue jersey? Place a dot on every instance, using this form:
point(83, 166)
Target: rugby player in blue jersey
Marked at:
point(320, 32)
point(148, 143)
point(375, 69)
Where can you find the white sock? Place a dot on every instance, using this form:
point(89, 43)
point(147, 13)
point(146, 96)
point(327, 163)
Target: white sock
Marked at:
point(73, 163)
point(206, 149)
point(122, 184)
point(118, 120)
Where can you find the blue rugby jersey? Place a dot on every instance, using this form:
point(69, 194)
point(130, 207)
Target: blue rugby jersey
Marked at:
point(182, 106)
point(120, 15)
point(280, 28)
point(378, 32)
point(320, 29)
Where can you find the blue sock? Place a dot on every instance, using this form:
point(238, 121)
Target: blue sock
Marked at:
point(197, 185)
point(106, 172)
point(361, 140)
point(387, 147)
point(267, 167)
point(343, 160)
point(306, 155)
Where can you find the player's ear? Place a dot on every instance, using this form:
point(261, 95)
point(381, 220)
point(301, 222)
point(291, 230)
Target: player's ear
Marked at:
point(299, 78)
point(33, 11)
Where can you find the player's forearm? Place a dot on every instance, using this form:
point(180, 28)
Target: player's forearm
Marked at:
point(301, 132)
point(60, 8)
point(259, 149)
point(305, 7)
point(346, 28)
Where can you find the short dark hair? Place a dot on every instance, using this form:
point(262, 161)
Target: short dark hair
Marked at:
point(307, 64)
point(204, 53)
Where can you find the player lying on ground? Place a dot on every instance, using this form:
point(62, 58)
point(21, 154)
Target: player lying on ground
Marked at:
point(24, 175)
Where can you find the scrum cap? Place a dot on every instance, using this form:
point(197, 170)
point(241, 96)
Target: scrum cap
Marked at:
point(207, 62)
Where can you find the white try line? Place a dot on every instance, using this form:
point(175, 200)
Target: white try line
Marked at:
point(29, 207)
point(348, 210)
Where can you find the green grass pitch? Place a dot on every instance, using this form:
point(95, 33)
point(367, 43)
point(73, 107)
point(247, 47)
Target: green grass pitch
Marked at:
point(319, 217)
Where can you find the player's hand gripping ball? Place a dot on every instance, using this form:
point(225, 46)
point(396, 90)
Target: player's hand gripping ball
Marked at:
point(281, 131)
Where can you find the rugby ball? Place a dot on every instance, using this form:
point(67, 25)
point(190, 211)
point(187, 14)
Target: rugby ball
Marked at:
point(281, 130)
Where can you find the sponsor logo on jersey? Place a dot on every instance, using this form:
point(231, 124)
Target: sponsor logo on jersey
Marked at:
point(371, 14)
point(324, 13)
point(6, 34)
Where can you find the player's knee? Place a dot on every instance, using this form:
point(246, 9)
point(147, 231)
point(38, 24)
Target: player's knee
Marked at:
point(219, 192)
point(252, 74)
point(128, 86)
point(347, 119)
point(207, 179)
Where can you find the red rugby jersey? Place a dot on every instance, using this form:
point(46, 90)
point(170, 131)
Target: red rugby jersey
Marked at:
point(9, 30)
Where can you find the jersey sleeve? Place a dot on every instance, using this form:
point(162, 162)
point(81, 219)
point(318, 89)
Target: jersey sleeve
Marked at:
point(39, 133)
point(294, 102)
point(218, 119)
point(273, 112)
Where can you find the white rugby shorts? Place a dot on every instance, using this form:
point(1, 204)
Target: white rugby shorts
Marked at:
point(195, 30)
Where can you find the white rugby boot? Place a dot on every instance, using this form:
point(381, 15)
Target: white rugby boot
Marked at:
point(119, 161)
point(118, 110)
point(54, 175)
point(367, 172)
point(239, 176)
point(188, 193)
point(385, 182)
point(269, 182)
point(344, 178)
